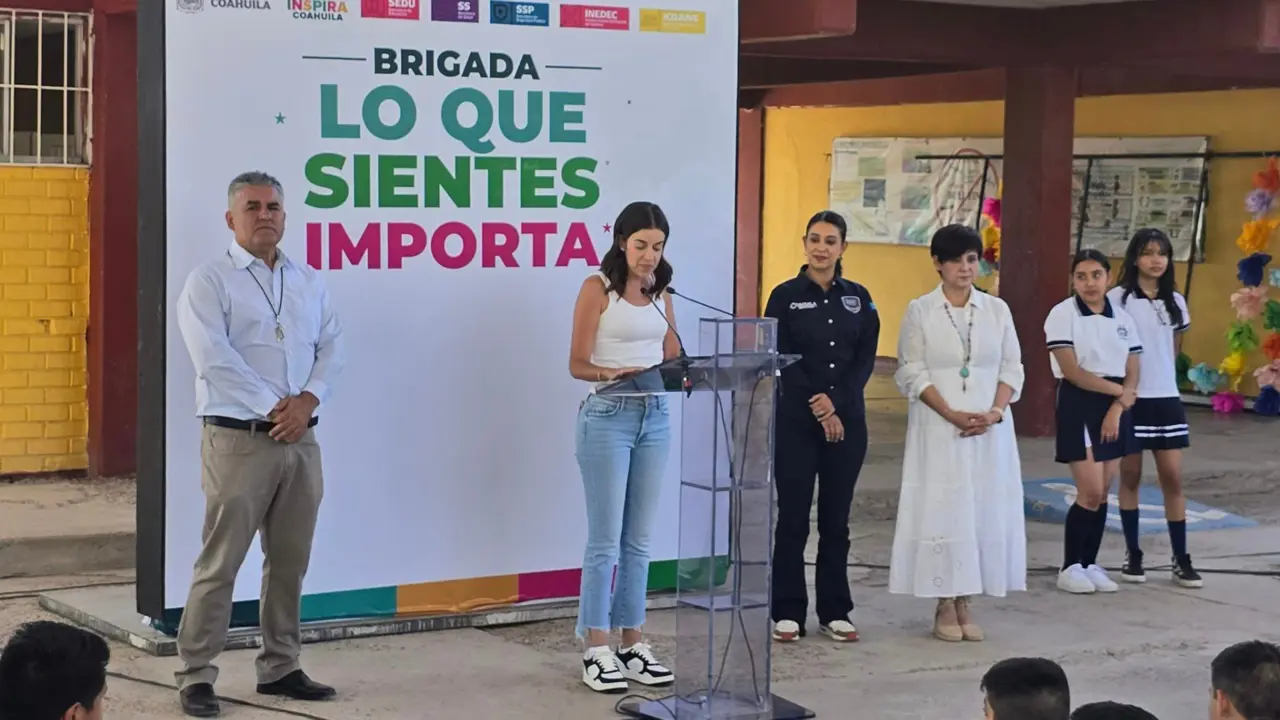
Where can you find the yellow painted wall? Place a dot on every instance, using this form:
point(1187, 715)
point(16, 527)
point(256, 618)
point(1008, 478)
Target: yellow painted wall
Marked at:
point(797, 163)
point(44, 309)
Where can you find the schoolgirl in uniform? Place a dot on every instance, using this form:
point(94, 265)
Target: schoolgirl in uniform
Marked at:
point(1147, 292)
point(1094, 349)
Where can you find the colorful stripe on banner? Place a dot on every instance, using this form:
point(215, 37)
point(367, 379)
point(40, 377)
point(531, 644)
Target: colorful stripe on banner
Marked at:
point(457, 597)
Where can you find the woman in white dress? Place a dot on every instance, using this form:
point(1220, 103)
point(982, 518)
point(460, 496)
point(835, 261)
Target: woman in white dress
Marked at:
point(960, 530)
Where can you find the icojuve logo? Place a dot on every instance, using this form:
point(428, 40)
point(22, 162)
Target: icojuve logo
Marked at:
point(803, 305)
point(318, 9)
point(390, 9)
point(191, 6)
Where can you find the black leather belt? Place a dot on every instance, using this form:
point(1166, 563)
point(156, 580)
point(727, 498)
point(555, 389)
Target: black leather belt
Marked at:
point(249, 425)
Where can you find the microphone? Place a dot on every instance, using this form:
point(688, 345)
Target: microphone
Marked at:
point(726, 313)
point(685, 383)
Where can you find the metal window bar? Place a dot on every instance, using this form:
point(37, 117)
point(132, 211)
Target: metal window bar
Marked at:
point(1199, 221)
point(73, 139)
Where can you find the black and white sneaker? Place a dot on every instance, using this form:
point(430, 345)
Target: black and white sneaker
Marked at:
point(639, 664)
point(1132, 571)
point(1185, 574)
point(600, 671)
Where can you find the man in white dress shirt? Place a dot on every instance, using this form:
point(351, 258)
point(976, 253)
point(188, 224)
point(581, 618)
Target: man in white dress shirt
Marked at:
point(266, 345)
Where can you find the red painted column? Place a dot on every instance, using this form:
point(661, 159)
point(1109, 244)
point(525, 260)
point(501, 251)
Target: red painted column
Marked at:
point(113, 258)
point(1035, 249)
point(750, 199)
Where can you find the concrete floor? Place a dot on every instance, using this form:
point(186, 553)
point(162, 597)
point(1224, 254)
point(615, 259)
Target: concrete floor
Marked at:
point(1147, 645)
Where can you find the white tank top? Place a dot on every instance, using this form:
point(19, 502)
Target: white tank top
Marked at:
point(629, 336)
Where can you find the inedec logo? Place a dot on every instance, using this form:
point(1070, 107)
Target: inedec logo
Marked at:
point(595, 17)
point(390, 9)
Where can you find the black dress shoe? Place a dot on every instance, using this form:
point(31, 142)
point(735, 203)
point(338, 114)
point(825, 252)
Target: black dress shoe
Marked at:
point(199, 700)
point(298, 686)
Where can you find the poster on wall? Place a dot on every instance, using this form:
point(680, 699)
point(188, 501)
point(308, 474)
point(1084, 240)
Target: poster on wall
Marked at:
point(453, 170)
point(901, 190)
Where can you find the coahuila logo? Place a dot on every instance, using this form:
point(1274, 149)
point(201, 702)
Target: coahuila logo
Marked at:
point(318, 9)
point(194, 6)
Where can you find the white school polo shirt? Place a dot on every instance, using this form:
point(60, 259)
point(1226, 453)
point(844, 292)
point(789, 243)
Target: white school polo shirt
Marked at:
point(1158, 377)
point(1103, 341)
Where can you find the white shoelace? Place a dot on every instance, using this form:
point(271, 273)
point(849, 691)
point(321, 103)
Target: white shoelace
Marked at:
point(605, 658)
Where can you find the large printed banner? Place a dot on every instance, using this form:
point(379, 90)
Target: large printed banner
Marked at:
point(453, 169)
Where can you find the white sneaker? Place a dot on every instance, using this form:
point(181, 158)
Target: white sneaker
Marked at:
point(840, 631)
point(1075, 580)
point(786, 631)
point(600, 671)
point(1100, 579)
point(639, 664)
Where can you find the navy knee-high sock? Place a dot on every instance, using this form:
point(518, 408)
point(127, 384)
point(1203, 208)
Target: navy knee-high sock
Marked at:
point(1129, 520)
point(1097, 528)
point(1074, 535)
point(1178, 537)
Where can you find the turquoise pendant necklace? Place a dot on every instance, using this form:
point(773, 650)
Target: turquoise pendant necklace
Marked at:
point(966, 341)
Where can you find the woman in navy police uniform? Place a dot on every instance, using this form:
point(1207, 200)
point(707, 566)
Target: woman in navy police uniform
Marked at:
point(821, 428)
point(1094, 350)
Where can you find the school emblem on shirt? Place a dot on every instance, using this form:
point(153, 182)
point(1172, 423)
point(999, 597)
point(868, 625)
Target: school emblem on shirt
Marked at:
point(1123, 332)
point(852, 303)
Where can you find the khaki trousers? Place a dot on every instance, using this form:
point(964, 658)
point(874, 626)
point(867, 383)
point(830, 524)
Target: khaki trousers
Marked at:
point(252, 484)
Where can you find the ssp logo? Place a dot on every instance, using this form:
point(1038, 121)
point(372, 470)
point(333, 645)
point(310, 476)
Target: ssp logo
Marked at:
point(391, 9)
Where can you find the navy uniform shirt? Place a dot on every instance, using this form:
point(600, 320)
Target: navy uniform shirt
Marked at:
point(837, 332)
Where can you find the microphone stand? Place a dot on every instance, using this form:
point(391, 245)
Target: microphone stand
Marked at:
point(685, 383)
point(726, 313)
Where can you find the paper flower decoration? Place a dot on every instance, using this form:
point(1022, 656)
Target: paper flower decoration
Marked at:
point(1205, 378)
point(1267, 402)
point(1259, 203)
point(1269, 178)
point(1267, 375)
point(1249, 302)
point(1256, 235)
point(1233, 364)
point(991, 207)
point(1250, 269)
point(1228, 402)
point(1241, 338)
point(1271, 315)
point(1271, 346)
point(1181, 365)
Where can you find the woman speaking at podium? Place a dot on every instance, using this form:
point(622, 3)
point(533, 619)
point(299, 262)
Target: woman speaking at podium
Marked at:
point(821, 428)
point(622, 323)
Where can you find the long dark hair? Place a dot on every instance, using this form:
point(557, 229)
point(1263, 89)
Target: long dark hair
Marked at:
point(637, 216)
point(833, 217)
point(1166, 285)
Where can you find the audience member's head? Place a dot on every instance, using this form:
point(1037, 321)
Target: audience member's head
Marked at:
point(1111, 711)
point(1246, 682)
point(1026, 689)
point(52, 671)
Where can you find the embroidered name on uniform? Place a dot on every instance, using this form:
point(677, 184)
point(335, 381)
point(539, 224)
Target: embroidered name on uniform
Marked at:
point(852, 303)
point(803, 305)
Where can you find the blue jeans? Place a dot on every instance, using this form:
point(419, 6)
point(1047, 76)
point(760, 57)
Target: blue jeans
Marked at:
point(622, 448)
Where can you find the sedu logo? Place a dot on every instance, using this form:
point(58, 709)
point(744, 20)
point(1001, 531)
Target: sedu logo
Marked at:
point(190, 6)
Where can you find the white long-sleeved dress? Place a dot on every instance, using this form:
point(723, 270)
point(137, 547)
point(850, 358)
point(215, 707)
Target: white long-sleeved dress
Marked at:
point(960, 529)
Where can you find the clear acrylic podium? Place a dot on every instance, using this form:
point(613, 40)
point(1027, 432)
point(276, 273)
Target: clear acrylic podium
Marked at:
point(723, 632)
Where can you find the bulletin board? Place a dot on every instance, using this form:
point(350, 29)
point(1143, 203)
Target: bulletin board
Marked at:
point(901, 190)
